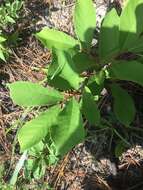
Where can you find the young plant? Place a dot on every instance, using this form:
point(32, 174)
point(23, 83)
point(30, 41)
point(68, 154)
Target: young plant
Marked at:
point(9, 13)
point(77, 77)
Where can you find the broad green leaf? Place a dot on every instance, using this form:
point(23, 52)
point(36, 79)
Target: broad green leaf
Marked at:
point(63, 68)
point(84, 20)
point(52, 38)
point(124, 107)
point(109, 35)
point(36, 129)
point(83, 62)
point(127, 70)
point(90, 109)
point(69, 130)
point(32, 94)
point(131, 24)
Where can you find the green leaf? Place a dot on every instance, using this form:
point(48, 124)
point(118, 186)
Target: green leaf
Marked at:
point(59, 82)
point(36, 150)
point(32, 94)
point(10, 19)
point(84, 20)
point(2, 39)
point(40, 169)
point(96, 83)
point(69, 130)
point(52, 38)
point(124, 107)
point(127, 70)
point(95, 88)
point(83, 62)
point(35, 130)
point(138, 46)
point(2, 57)
point(89, 108)
point(28, 167)
point(109, 35)
point(52, 160)
point(131, 24)
point(100, 77)
point(63, 68)
point(119, 149)
point(34, 168)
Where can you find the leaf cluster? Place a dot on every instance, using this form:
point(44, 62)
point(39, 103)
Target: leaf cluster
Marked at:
point(76, 78)
point(9, 13)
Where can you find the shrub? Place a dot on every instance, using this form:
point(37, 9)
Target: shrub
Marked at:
point(76, 78)
point(9, 13)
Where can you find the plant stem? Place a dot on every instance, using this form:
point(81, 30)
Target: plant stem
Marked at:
point(122, 138)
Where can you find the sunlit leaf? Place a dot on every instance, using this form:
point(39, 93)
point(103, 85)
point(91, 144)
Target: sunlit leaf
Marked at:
point(69, 130)
point(2, 39)
point(63, 72)
point(2, 57)
point(131, 24)
point(35, 130)
point(52, 38)
point(32, 94)
point(84, 20)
